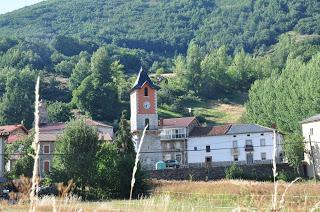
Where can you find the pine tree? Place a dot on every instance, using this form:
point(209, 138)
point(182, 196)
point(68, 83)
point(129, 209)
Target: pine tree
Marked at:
point(124, 137)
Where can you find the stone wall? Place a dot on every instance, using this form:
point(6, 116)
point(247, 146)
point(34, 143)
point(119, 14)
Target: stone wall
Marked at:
point(256, 171)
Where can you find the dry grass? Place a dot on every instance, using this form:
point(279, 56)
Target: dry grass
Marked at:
point(224, 195)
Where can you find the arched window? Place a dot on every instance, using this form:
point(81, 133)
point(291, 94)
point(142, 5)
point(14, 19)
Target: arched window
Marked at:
point(146, 122)
point(146, 91)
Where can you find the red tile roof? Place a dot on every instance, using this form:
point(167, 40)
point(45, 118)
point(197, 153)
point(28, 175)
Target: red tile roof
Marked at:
point(11, 128)
point(176, 122)
point(210, 131)
point(14, 138)
point(50, 132)
point(96, 123)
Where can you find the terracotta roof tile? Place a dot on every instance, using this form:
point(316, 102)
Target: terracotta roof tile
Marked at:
point(176, 122)
point(210, 130)
point(13, 127)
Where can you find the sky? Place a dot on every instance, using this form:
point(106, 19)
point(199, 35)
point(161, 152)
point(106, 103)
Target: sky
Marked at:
point(10, 5)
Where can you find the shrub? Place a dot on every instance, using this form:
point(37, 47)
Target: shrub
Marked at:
point(234, 172)
point(286, 176)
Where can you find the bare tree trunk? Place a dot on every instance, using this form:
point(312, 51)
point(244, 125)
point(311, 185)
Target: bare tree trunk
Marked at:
point(36, 147)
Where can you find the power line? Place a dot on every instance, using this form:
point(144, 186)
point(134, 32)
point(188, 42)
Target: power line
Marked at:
point(166, 151)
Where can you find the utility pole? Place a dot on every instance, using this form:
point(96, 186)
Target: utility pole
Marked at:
point(312, 157)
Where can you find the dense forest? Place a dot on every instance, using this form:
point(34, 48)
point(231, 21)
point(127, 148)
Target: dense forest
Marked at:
point(88, 51)
point(166, 27)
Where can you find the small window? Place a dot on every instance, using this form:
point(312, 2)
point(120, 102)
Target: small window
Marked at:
point(195, 148)
point(235, 144)
point(46, 149)
point(235, 158)
point(262, 134)
point(146, 122)
point(207, 148)
point(168, 145)
point(248, 134)
point(46, 166)
point(249, 142)
point(311, 131)
point(146, 92)
point(178, 145)
point(263, 156)
point(262, 142)
point(234, 136)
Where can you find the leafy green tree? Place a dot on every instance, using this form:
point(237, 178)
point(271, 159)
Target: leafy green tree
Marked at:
point(75, 155)
point(124, 137)
point(215, 66)
point(294, 151)
point(59, 112)
point(79, 73)
point(97, 93)
point(194, 75)
point(17, 101)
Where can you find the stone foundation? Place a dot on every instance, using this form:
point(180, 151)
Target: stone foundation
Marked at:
point(255, 171)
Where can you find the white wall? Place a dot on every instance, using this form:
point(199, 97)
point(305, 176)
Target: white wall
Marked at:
point(315, 138)
point(133, 110)
point(222, 145)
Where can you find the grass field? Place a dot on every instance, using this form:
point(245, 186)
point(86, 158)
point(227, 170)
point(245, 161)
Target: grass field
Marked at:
point(224, 195)
point(214, 111)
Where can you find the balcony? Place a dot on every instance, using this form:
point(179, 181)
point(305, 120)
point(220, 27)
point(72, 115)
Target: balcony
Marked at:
point(173, 134)
point(235, 151)
point(248, 148)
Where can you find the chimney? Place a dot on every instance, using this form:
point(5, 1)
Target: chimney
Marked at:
point(43, 114)
point(161, 122)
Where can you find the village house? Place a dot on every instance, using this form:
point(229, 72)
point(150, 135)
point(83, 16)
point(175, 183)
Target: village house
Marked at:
point(311, 134)
point(232, 143)
point(174, 134)
point(49, 133)
point(9, 135)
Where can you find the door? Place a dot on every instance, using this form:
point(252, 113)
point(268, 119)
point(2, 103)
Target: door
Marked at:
point(208, 161)
point(249, 158)
point(178, 158)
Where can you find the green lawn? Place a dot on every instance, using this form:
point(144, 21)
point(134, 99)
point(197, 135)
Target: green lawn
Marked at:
point(214, 111)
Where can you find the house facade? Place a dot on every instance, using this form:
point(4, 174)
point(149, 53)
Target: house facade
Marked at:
point(49, 133)
point(311, 134)
point(234, 143)
point(13, 134)
point(174, 134)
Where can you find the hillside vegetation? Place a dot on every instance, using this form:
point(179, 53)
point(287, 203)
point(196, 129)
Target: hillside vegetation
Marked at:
point(166, 26)
point(203, 54)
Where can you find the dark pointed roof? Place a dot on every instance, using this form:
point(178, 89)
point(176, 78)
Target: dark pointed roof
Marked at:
point(142, 79)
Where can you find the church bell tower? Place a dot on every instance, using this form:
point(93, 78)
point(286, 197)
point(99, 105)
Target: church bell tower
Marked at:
point(143, 106)
point(143, 102)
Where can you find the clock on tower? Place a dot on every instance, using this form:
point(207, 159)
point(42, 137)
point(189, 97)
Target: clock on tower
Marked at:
point(143, 102)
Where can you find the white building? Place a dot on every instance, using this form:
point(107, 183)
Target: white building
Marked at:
point(311, 134)
point(228, 144)
point(174, 134)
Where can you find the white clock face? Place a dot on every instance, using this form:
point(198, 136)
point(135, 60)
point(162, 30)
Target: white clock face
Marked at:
point(146, 105)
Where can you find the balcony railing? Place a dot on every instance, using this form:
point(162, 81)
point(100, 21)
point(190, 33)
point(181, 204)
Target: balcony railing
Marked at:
point(248, 148)
point(173, 134)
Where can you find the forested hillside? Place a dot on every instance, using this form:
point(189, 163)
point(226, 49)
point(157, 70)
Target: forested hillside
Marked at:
point(166, 26)
point(88, 51)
